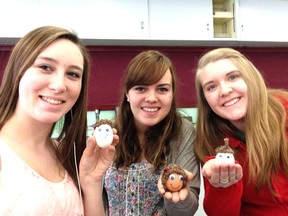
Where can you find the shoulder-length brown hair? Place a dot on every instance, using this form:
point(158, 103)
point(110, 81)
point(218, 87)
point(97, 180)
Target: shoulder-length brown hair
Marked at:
point(146, 68)
point(22, 57)
point(265, 121)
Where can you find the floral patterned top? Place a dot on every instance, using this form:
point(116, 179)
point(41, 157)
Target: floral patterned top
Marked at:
point(133, 190)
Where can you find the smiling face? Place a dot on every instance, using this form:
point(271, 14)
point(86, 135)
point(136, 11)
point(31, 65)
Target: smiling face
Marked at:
point(51, 86)
point(174, 182)
point(103, 135)
point(150, 104)
point(225, 91)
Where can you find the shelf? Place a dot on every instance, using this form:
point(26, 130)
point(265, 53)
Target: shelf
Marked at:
point(223, 14)
point(223, 19)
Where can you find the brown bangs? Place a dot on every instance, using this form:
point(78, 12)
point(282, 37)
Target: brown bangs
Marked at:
point(147, 71)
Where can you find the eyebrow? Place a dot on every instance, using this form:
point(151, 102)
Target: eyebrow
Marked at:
point(165, 84)
point(55, 61)
point(159, 85)
point(227, 74)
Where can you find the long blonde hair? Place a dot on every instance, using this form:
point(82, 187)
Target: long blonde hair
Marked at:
point(265, 121)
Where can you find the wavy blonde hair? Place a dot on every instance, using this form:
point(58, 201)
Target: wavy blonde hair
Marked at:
point(265, 121)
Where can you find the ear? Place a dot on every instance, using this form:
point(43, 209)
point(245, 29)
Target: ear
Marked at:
point(127, 96)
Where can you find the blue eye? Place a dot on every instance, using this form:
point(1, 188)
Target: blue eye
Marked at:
point(172, 177)
point(107, 129)
point(181, 178)
point(99, 129)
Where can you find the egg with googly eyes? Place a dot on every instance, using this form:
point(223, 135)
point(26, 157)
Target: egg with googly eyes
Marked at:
point(103, 134)
point(224, 158)
point(224, 153)
point(173, 178)
point(174, 182)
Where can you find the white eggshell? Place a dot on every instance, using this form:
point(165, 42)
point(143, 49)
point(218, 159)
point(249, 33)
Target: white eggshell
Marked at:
point(103, 135)
point(224, 158)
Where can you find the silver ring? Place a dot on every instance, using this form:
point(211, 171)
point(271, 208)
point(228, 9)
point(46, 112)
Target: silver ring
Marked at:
point(224, 182)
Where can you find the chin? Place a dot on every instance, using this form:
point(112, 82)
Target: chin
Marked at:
point(151, 123)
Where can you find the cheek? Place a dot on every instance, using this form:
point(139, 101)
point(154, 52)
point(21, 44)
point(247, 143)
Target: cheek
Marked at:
point(135, 102)
point(167, 102)
point(28, 84)
point(211, 98)
point(243, 87)
point(75, 90)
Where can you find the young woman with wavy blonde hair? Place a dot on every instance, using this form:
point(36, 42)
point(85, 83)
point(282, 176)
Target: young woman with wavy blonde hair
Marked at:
point(234, 103)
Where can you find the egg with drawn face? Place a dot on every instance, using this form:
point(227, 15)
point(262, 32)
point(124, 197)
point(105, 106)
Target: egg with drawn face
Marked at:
point(103, 135)
point(174, 182)
point(174, 178)
point(224, 158)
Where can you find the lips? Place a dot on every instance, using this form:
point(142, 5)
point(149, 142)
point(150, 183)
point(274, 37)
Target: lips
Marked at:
point(52, 101)
point(231, 102)
point(150, 109)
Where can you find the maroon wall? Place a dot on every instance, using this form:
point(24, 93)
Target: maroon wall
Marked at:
point(109, 63)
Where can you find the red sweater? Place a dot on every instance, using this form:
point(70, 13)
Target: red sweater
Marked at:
point(242, 198)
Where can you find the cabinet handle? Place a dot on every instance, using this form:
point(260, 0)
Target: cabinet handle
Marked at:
point(142, 24)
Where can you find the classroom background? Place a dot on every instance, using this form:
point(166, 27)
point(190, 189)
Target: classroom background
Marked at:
point(114, 31)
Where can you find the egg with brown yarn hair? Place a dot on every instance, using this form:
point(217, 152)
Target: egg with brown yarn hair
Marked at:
point(174, 178)
point(103, 133)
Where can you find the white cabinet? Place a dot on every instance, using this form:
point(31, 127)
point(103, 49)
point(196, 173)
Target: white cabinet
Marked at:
point(71, 14)
point(152, 22)
point(263, 20)
point(18, 17)
point(93, 19)
point(119, 19)
point(180, 19)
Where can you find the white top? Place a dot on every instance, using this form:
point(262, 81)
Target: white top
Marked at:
point(24, 192)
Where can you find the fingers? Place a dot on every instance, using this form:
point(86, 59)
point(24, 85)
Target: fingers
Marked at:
point(91, 146)
point(224, 175)
point(160, 186)
point(168, 195)
point(206, 169)
point(175, 197)
point(189, 175)
point(238, 172)
point(183, 193)
point(115, 137)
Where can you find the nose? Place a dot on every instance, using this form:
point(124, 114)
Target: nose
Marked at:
point(225, 89)
point(151, 96)
point(57, 83)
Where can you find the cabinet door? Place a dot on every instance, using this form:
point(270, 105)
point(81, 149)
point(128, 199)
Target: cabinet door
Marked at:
point(120, 19)
point(105, 19)
point(181, 19)
point(71, 14)
point(18, 17)
point(263, 20)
